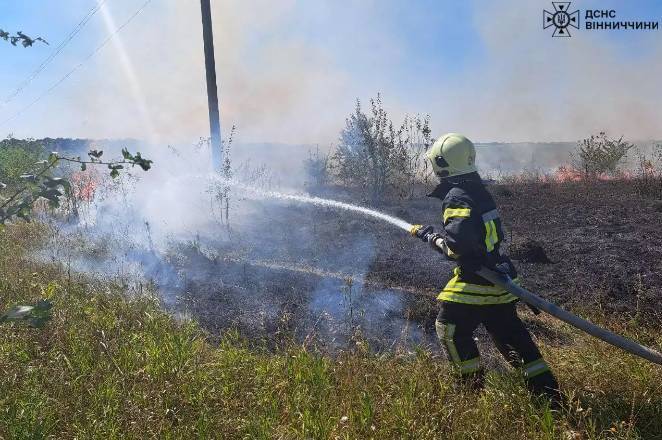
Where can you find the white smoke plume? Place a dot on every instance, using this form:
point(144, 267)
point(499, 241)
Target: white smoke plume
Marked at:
point(290, 72)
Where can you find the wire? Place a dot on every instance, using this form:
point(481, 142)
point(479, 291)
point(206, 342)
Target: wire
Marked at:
point(56, 52)
point(68, 74)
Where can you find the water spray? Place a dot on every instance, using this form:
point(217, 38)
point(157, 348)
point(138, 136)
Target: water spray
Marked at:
point(496, 278)
point(321, 202)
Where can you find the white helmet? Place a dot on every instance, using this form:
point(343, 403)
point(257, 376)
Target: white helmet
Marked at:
point(452, 155)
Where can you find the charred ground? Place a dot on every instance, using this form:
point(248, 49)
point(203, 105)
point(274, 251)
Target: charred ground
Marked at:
point(324, 275)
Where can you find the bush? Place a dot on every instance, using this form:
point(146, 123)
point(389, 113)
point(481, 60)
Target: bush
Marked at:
point(600, 155)
point(18, 157)
point(316, 167)
point(375, 156)
point(648, 180)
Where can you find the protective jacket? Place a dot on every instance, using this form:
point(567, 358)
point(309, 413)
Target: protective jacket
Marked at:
point(473, 235)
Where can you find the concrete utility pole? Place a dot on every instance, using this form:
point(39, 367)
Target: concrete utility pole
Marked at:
point(212, 91)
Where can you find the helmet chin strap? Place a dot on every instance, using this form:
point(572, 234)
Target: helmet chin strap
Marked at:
point(458, 179)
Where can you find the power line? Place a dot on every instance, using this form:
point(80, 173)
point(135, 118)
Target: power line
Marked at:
point(56, 52)
point(86, 59)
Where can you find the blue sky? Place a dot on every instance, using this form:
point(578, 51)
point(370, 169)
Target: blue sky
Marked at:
point(290, 70)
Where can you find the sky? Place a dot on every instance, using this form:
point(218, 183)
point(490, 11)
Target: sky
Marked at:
point(290, 71)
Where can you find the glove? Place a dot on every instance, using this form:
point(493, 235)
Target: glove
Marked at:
point(438, 243)
point(434, 238)
point(505, 269)
point(422, 232)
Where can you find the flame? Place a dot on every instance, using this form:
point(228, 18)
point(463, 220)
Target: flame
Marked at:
point(84, 184)
point(567, 173)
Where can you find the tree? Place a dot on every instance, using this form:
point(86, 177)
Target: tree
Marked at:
point(37, 182)
point(17, 157)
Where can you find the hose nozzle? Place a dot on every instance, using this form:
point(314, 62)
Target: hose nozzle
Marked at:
point(414, 229)
point(421, 231)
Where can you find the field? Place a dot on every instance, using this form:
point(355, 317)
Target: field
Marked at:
point(587, 246)
point(217, 243)
point(318, 325)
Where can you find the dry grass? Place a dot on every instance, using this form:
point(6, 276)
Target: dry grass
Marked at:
point(113, 366)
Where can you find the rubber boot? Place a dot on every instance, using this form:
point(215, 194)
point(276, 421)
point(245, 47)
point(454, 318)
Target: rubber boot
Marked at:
point(545, 385)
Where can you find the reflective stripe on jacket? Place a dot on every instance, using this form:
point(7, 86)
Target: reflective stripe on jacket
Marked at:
point(473, 235)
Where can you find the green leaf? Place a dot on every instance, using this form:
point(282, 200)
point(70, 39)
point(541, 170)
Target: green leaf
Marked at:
point(114, 173)
point(51, 194)
point(17, 313)
point(43, 306)
point(126, 155)
point(36, 315)
point(11, 211)
point(83, 167)
point(96, 154)
point(53, 182)
point(24, 214)
point(143, 163)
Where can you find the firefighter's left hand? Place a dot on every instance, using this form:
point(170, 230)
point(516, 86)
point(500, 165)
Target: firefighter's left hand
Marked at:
point(422, 231)
point(436, 240)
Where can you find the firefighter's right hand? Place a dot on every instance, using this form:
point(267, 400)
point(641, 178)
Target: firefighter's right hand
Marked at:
point(439, 244)
point(422, 231)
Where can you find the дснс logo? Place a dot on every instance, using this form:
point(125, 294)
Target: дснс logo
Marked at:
point(561, 19)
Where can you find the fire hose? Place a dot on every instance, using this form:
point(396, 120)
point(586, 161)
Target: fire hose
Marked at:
point(628, 345)
point(537, 303)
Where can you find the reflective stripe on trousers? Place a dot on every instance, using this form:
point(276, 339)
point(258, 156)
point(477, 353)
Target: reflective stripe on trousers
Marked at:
point(445, 333)
point(535, 368)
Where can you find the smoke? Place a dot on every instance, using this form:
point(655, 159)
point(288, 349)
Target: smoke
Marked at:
point(270, 83)
point(272, 261)
point(531, 87)
point(289, 72)
point(349, 307)
point(498, 160)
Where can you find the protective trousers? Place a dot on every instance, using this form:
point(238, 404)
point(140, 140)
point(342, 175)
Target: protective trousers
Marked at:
point(456, 324)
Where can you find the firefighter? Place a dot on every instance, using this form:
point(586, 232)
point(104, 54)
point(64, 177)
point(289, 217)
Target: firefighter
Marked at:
point(471, 237)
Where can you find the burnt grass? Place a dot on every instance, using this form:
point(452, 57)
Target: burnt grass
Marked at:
point(324, 276)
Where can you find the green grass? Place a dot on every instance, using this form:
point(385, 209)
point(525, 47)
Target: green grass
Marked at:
point(112, 366)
